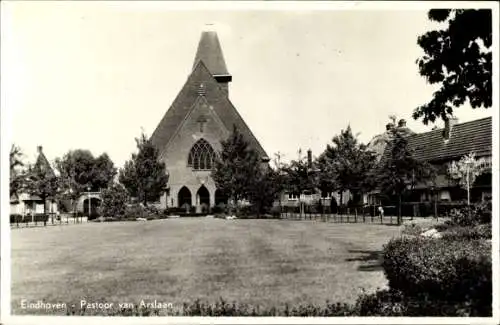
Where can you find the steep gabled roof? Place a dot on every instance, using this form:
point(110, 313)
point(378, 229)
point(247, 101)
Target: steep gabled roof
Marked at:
point(215, 96)
point(210, 52)
point(42, 163)
point(465, 137)
point(474, 136)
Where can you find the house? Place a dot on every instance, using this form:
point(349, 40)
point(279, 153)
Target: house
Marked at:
point(188, 136)
point(313, 196)
point(26, 204)
point(440, 147)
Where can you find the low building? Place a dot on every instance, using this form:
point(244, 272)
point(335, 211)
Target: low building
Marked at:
point(315, 196)
point(26, 204)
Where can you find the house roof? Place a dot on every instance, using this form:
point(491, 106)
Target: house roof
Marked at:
point(474, 136)
point(201, 78)
point(379, 142)
point(16, 198)
point(210, 52)
point(43, 164)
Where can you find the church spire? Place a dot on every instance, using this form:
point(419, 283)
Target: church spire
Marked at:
point(210, 52)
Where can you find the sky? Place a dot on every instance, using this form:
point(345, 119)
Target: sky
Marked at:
point(93, 75)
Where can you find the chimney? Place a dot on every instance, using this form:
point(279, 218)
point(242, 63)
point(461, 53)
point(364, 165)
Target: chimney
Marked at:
point(39, 149)
point(449, 123)
point(309, 158)
point(402, 123)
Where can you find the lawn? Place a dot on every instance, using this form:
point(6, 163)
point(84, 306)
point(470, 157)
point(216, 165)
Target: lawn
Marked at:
point(258, 262)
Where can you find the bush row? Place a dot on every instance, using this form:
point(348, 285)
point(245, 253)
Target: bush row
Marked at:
point(460, 233)
point(381, 303)
point(449, 270)
point(224, 308)
point(471, 215)
point(18, 218)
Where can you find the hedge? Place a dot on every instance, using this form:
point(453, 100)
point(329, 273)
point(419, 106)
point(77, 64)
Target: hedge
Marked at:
point(441, 270)
point(472, 215)
point(17, 218)
point(459, 233)
point(224, 308)
point(391, 302)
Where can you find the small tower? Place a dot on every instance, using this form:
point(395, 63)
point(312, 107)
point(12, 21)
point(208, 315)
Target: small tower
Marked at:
point(210, 52)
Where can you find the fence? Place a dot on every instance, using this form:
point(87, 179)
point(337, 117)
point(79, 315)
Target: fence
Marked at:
point(339, 215)
point(42, 220)
point(369, 213)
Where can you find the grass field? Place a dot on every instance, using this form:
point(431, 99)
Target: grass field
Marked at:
point(258, 262)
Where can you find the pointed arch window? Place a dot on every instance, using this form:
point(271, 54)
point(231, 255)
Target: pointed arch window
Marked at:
point(201, 156)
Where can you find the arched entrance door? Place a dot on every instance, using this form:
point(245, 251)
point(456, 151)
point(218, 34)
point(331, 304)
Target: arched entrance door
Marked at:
point(93, 207)
point(184, 198)
point(203, 198)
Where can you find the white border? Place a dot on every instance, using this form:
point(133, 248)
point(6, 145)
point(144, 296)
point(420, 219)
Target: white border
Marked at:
point(252, 5)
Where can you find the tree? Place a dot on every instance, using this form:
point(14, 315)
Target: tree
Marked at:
point(466, 170)
point(114, 200)
point(300, 177)
point(346, 164)
point(42, 182)
point(236, 167)
point(80, 171)
point(103, 172)
point(16, 176)
point(144, 175)
point(399, 171)
point(264, 189)
point(459, 59)
point(279, 177)
point(326, 174)
point(85, 170)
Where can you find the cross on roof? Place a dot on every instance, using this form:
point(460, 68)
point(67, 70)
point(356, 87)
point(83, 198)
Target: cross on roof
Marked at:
point(201, 121)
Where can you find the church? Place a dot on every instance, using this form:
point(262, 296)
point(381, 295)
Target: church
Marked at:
point(188, 136)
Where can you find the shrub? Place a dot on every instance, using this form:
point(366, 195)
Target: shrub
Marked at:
point(380, 303)
point(246, 211)
point(443, 226)
point(176, 211)
point(219, 208)
point(275, 211)
point(472, 215)
point(16, 218)
point(412, 229)
point(134, 211)
point(152, 210)
point(114, 200)
point(444, 270)
point(224, 308)
point(391, 302)
point(482, 231)
point(40, 217)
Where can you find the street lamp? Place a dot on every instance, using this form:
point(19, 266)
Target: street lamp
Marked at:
point(88, 188)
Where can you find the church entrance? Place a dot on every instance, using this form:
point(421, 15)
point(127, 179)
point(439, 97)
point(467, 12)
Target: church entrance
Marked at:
point(184, 198)
point(203, 198)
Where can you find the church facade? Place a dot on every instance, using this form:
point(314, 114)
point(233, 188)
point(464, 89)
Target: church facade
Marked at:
point(189, 135)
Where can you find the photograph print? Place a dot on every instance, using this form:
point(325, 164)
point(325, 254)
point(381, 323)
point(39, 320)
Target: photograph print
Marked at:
point(262, 159)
